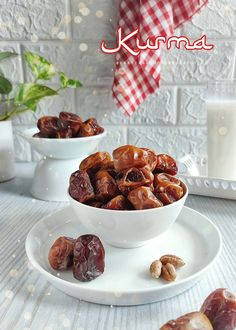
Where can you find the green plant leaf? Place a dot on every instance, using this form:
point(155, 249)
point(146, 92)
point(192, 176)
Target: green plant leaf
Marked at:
point(4, 55)
point(30, 94)
point(67, 82)
point(41, 68)
point(5, 85)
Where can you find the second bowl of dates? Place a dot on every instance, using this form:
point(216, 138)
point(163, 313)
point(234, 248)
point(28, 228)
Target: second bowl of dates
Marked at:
point(63, 142)
point(128, 199)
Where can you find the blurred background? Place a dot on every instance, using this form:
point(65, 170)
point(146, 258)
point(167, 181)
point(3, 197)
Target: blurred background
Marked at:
point(69, 33)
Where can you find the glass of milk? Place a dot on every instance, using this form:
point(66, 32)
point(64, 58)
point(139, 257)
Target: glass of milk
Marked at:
point(221, 126)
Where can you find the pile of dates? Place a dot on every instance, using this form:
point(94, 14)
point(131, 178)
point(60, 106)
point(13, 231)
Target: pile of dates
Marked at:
point(134, 179)
point(85, 254)
point(68, 125)
point(218, 312)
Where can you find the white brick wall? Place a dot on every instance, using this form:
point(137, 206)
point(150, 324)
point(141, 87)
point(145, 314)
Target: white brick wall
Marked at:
point(172, 120)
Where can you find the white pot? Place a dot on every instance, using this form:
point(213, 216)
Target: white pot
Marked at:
point(7, 160)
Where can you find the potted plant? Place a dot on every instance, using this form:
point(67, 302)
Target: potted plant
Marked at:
point(24, 97)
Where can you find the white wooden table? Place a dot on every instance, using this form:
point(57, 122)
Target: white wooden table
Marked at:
point(28, 301)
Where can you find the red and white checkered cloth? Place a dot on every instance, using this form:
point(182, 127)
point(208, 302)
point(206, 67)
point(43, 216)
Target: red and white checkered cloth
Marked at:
point(138, 77)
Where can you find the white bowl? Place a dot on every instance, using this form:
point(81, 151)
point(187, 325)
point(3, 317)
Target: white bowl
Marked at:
point(63, 148)
point(60, 157)
point(128, 229)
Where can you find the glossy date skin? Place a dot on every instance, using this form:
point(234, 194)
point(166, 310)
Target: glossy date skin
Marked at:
point(165, 179)
point(80, 187)
point(130, 156)
point(61, 253)
point(89, 258)
point(50, 125)
point(94, 203)
point(90, 127)
point(105, 186)
point(152, 159)
point(64, 134)
point(95, 162)
point(40, 135)
point(166, 164)
point(118, 203)
point(134, 178)
point(142, 198)
point(72, 120)
point(109, 167)
point(165, 198)
point(167, 188)
point(191, 321)
point(220, 308)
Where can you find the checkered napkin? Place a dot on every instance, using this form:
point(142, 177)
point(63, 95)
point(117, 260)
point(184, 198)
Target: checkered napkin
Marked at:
point(136, 77)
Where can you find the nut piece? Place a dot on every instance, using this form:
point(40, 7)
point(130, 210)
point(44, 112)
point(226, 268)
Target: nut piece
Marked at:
point(155, 269)
point(168, 272)
point(172, 259)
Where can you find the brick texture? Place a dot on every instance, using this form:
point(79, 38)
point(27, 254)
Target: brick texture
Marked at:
point(69, 32)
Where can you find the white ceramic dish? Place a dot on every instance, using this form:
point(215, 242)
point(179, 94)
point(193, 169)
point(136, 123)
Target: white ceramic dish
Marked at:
point(212, 187)
point(126, 280)
point(194, 172)
point(63, 148)
point(60, 158)
point(128, 229)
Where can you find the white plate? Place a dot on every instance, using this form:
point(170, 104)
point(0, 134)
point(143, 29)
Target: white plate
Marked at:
point(126, 280)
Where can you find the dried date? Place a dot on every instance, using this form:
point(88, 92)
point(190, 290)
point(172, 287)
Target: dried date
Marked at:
point(95, 162)
point(165, 179)
point(166, 164)
point(175, 191)
point(61, 253)
point(94, 203)
point(152, 159)
point(118, 203)
point(80, 187)
point(129, 156)
point(105, 186)
point(72, 120)
point(40, 135)
point(109, 167)
point(89, 258)
point(165, 198)
point(64, 133)
point(49, 125)
point(165, 183)
point(220, 308)
point(143, 198)
point(90, 127)
point(191, 321)
point(134, 178)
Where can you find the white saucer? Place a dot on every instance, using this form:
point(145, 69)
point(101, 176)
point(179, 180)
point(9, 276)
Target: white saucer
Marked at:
point(126, 280)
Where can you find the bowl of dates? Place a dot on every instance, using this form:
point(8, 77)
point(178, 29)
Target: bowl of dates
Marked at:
point(128, 198)
point(63, 143)
point(65, 137)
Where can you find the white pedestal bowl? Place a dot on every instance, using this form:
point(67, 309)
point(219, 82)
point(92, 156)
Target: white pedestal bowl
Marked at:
point(60, 158)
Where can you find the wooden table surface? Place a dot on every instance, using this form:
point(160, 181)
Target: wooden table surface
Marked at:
point(28, 301)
